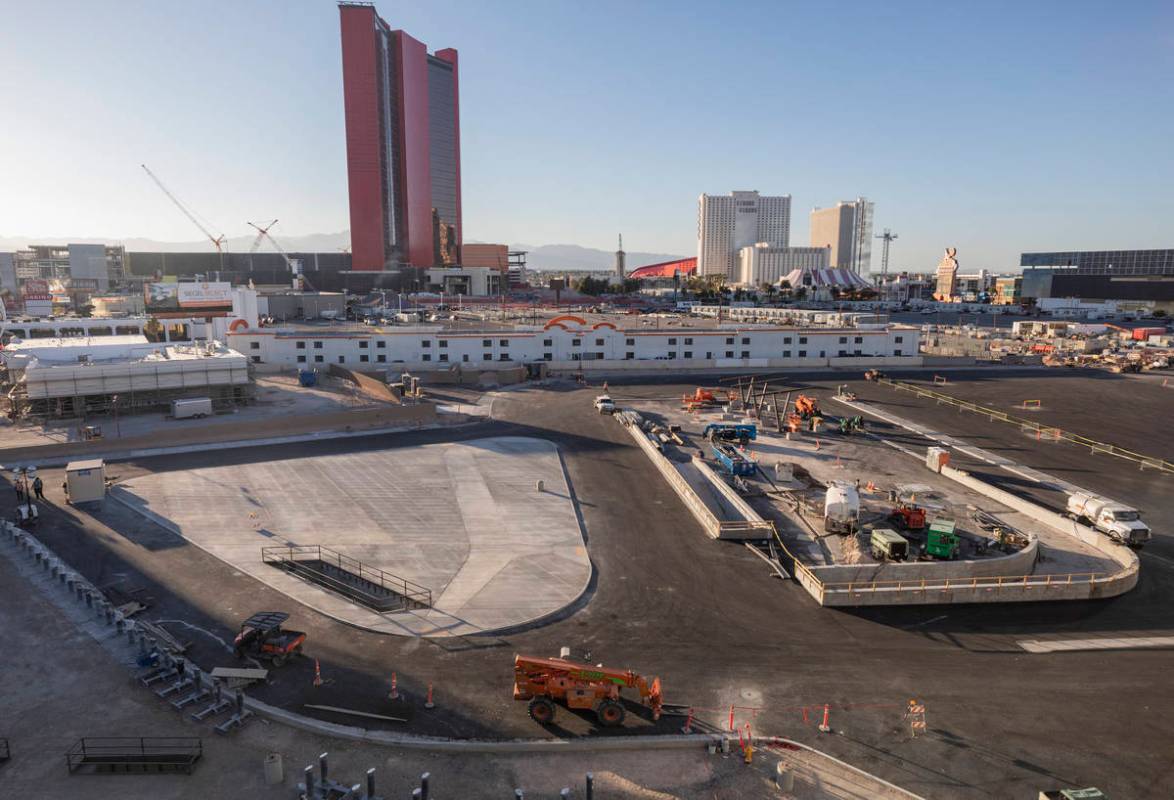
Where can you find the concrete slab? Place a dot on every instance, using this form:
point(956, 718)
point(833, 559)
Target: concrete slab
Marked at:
point(465, 520)
point(1076, 645)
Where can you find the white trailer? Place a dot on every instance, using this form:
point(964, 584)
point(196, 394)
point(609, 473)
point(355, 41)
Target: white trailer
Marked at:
point(85, 481)
point(191, 407)
point(1119, 521)
point(841, 508)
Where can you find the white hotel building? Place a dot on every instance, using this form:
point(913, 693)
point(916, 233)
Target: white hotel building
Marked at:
point(727, 223)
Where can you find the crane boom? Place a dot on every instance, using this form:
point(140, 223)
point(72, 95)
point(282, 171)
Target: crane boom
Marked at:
point(217, 241)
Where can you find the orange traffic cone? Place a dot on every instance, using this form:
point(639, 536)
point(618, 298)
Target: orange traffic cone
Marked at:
point(317, 673)
point(428, 702)
point(394, 688)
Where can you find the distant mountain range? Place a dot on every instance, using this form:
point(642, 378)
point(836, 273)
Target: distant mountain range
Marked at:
point(545, 257)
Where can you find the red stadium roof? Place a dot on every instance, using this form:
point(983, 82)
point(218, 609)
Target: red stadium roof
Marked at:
point(665, 269)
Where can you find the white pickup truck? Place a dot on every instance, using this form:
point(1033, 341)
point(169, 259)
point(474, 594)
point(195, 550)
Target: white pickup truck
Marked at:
point(604, 405)
point(1119, 521)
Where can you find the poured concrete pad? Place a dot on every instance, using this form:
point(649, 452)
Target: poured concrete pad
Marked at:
point(465, 520)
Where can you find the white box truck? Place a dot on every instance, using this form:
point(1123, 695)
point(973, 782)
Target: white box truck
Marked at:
point(191, 408)
point(1119, 521)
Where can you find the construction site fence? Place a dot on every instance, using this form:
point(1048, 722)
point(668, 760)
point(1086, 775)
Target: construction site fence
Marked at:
point(1031, 426)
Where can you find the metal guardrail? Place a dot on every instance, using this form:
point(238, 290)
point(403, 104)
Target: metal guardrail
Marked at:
point(413, 593)
point(995, 581)
point(1053, 433)
point(127, 753)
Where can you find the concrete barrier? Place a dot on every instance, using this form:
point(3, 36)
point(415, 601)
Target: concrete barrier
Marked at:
point(709, 523)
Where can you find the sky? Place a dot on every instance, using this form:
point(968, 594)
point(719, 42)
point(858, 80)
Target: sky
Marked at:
point(992, 127)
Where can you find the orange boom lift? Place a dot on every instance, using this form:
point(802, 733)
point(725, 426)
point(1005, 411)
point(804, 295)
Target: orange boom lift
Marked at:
point(544, 680)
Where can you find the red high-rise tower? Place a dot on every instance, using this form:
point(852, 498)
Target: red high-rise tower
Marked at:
point(403, 142)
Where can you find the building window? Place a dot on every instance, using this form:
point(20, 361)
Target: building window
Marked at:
point(426, 357)
point(576, 343)
point(745, 354)
point(802, 340)
point(254, 345)
point(730, 340)
point(786, 354)
point(898, 339)
point(786, 340)
point(630, 342)
point(301, 345)
point(745, 340)
point(599, 342)
point(842, 353)
point(256, 359)
point(547, 356)
point(319, 359)
point(444, 356)
point(802, 354)
point(364, 358)
point(843, 340)
point(856, 353)
point(504, 342)
point(381, 358)
point(688, 340)
point(504, 357)
point(672, 340)
point(465, 357)
point(729, 354)
point(301, 359)
point(896, 352)
point(859, 340)
point(381, 344)
point(487, 343)
point(425, 343)
point(444, 342)
point(599, 356)
point(342, 359)
point(629, 356)
point(317, 345)
point(487, 356)
point(548, 342)
point(364, 345)
point(672, 354)
point(688, 353)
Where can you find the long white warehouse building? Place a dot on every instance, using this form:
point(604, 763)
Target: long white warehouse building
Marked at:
point(567, 340)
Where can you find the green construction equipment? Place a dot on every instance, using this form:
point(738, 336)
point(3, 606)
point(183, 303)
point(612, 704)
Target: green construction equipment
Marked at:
point(941, 540)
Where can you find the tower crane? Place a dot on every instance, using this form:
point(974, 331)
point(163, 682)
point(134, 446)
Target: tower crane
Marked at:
point(263, 233)
point(217, 241)
point(888, 237)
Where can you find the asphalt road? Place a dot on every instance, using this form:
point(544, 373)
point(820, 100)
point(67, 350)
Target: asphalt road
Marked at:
point(708, 618)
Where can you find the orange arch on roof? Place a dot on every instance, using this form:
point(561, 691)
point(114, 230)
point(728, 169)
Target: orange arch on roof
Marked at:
point(599, 325)
point(237, 325)
point(568, 317)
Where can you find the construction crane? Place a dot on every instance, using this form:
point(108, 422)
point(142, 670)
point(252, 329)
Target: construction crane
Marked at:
point(217, 241)
point(263, 233)
point(888, 237)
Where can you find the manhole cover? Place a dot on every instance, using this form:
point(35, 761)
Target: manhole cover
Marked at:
point(751, 694)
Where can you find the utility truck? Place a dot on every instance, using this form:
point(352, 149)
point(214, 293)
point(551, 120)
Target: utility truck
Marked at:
point(1118, 521)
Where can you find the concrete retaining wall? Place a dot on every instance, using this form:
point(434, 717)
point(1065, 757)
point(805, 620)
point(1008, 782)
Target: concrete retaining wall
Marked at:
point(709, 523)
point(1013, 565)
point(726, 491)
point(184, 435)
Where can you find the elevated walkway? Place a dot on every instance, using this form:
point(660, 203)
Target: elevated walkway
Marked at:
point(373, 588)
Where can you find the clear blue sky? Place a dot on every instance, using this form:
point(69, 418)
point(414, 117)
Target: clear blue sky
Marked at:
point(992, 127)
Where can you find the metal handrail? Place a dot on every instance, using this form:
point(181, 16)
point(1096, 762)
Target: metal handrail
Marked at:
point(1059, 579)
point(135, 750)
point(410, 590)
point(1159, 464)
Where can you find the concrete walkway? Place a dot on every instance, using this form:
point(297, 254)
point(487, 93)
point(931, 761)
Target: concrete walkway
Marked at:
point(464, 519)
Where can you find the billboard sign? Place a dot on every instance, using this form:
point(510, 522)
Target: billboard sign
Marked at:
point(36, 289)
point(188, 299)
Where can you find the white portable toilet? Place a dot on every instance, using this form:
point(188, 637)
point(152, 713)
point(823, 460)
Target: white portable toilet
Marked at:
point(85, 481)
point(936, 458)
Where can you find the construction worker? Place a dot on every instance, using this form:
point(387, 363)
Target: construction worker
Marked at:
point(18, 484)
point(39, 488)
